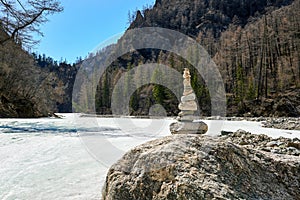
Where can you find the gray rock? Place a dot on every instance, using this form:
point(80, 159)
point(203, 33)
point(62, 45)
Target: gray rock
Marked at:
point(296, 140)
point(187, 88)
point(187, 118)
point(226, 132)
point(268, 149)
point(242, 132)
point(273, 144)
point(187, 92)
point(190, 97)
point(186, 112)
point(188, 128)
point(294, 144)
point(199, 167)
point(276, 150)
point(190, 105)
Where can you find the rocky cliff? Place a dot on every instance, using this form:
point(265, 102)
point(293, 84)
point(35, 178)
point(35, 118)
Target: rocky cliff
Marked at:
point(194, 17)
point(203, 167)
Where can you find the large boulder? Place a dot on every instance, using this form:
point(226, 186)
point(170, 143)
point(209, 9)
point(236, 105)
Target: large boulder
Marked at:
point(202, 167)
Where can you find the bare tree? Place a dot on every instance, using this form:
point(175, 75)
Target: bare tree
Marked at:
point(21, 18)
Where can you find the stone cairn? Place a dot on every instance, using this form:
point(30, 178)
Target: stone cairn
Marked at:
point(185, 121)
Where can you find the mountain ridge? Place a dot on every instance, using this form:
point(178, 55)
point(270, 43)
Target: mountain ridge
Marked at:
point(251, 48)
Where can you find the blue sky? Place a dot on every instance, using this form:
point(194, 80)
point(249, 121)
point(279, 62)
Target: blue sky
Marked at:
point(83, 25)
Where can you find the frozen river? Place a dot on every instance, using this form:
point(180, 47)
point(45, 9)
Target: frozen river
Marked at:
point(68, 158)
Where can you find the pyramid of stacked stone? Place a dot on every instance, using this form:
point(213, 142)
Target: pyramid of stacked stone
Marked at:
point(188, 107)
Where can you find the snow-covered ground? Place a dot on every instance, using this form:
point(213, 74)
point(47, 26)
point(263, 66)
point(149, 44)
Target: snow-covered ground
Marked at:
point(68, 158)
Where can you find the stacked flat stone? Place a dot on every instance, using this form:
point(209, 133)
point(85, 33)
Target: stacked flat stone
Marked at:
point(188, 107)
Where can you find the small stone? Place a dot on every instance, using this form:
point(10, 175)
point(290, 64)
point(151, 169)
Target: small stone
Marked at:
point(186, 112)
point(187, 118)
point(296, 140)
point(188, 128)
point(267, 149)
point(190, 105)
point(241, 131)
point(294, 144)
point(186, 74)
point(185, 93)
point(243, 143)
point(291, 149)
point(190, 97)
point(175, 127)
point(276, 150)
point(226, 132)
point(272, 144)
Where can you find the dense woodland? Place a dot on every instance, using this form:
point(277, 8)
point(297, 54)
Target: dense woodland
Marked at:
point(30, 85)
point(33, 85)
point(254, 43)
point(261, 60)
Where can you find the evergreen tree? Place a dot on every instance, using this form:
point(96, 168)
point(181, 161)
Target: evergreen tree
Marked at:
point(158, 90)
point(240, 84)
point(102, 98)
point(134, 102)
point(129, 85)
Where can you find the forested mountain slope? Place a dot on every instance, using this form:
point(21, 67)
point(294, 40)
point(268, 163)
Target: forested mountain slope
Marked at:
point(28, 89)
point(255, 44)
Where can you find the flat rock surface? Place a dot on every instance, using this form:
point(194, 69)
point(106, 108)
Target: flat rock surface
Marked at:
point(189, 106)
point(188, 128)
point(202, 167)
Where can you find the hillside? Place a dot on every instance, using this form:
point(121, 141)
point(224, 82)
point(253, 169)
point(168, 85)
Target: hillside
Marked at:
point(29, 89)
point(254, 43)
point(195, 18)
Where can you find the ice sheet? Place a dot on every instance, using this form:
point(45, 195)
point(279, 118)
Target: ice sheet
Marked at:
point(63, 158)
